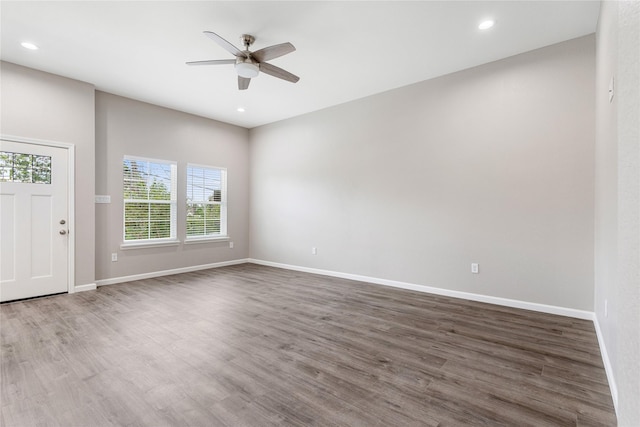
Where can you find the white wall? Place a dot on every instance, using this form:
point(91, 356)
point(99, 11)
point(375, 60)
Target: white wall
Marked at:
point(492, 165)
point(628, 295)
point(617, 201)
point(128, 127)
point(606, 177)
point(38, 105)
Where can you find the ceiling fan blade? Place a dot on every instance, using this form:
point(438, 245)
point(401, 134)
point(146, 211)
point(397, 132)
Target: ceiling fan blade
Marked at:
point(243, 83)
point(271, 52)
point(213, 62)
point(278, 72)
point(225, 44)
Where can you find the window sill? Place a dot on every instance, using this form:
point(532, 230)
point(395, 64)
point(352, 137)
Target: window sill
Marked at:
point(194, 240)
point(149, 244)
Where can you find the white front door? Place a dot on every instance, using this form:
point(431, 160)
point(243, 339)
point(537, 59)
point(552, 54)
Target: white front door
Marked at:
point(34, 227)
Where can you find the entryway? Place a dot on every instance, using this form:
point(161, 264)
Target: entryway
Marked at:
point(34, 220)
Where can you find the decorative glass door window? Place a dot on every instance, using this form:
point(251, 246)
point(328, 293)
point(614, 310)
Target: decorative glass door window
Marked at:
point(26, 168)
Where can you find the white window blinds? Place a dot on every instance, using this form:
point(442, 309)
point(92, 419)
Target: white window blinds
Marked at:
point(206, 202)
point(149, 199)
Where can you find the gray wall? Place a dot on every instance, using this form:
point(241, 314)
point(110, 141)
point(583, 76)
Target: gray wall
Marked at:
point(493, 165)
point(128, 127)
point(44, 106)
point(617, 200)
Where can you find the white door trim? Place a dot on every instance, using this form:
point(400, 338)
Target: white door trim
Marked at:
point(71, 156)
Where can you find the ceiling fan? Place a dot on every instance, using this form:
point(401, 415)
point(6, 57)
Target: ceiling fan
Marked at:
point(248, 64)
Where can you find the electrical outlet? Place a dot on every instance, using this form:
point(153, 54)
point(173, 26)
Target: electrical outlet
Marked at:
point(475, 268)
point(114, 257)
point(314, 251)
point(231, 245)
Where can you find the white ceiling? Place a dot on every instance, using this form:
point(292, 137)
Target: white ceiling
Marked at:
point(345, 50)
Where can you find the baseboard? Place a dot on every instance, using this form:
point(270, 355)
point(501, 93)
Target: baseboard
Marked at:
point(543, 308)
point(83, 288)
point(607, 363)
point(131, 278)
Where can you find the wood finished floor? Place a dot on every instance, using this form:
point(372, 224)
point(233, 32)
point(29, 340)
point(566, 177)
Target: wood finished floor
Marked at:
point(249, 345)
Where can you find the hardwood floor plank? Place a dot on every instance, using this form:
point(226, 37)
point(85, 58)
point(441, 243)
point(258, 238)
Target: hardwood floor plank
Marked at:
point(249, 345)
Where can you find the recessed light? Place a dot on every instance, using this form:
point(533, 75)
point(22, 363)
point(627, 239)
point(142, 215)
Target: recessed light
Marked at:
point(485, 25)
point(240, 110)
point(28, 45)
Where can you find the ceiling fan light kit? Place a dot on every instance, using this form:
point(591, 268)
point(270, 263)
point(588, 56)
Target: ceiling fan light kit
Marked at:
point(249, 64)
point(247, 69)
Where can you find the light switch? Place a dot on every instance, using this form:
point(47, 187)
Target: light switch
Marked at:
point(103, 199)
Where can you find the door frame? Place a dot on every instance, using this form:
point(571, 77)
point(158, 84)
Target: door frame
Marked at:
point(71, 203)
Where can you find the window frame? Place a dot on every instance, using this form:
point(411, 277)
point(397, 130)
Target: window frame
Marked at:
point(223, 203)
point(172, 202)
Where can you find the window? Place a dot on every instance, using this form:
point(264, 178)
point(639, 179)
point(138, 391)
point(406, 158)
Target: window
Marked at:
point(26, 168)
point(206, 202)
point(149, 199)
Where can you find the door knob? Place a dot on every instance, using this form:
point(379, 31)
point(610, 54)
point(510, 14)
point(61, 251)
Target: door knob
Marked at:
point(63, 232)
point(62, 221)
